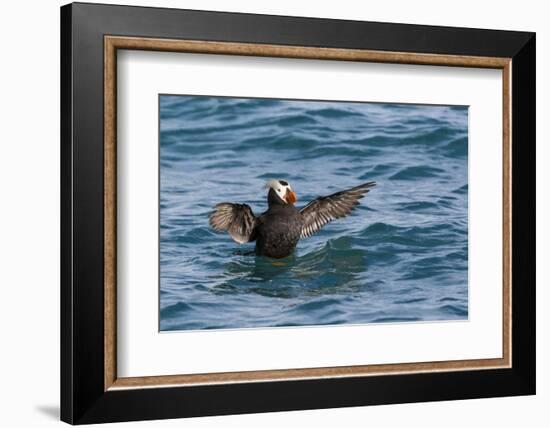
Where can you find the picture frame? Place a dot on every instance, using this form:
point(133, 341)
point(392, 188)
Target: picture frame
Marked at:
point(91, 390)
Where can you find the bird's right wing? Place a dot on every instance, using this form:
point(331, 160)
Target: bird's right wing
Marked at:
point(324, 209)
point(237, 219)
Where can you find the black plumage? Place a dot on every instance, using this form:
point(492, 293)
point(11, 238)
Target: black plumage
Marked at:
point(278, 230)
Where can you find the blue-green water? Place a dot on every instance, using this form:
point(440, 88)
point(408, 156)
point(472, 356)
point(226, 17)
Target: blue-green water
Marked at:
point(401, 256)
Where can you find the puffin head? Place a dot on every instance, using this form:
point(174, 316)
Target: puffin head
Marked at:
point(282, 191)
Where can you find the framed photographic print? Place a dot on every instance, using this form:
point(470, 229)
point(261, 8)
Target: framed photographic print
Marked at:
point(265, 213)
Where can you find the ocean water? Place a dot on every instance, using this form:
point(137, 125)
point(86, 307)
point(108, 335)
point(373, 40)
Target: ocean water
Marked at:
point(401, 256)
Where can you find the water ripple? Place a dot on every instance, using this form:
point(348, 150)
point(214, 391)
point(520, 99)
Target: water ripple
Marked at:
point(401, 257)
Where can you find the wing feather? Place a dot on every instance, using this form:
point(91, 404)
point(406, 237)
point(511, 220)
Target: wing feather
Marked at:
point(325, 209)
point(237, 219)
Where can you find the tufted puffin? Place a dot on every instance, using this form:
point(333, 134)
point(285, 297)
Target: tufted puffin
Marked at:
point(278, 230)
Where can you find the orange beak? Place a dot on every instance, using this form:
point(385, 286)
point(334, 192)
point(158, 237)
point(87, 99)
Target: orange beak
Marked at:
point(290, 197)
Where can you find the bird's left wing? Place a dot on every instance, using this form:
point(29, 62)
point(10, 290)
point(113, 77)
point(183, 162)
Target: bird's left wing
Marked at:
point(324, 209)
point(237, 219)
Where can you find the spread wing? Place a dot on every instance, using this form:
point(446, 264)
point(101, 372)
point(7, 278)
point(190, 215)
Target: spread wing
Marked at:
point(327, 208)
point(237, 219)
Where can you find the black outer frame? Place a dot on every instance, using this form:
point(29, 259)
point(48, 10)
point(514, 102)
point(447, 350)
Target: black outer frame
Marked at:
point(83, 399)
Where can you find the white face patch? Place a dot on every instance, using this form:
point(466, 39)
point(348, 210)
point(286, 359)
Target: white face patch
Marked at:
point(280, 187)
